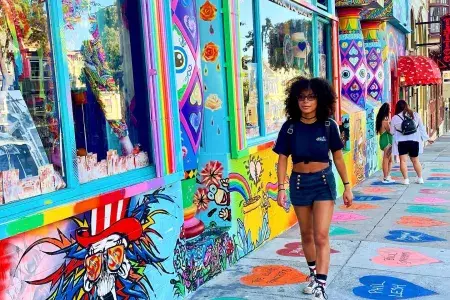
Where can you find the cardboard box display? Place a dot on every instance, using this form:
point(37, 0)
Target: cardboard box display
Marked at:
point(11, 185)
point(141, 160)
point(29, 187)
point(47, 179)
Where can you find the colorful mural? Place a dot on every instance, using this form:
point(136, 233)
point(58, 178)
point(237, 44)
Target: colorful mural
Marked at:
point(375, 72)
point(186, 47)
point(114, 251)
point(186, 43)
point(353, 58)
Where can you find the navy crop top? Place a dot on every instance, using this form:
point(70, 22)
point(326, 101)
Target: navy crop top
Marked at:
point(308, 142)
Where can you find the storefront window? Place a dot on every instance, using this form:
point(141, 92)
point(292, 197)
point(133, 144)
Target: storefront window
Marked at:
point(323, 3)
point(108, 86)
point(248, 68)
point(323, 50)
point(30, 137)
point(287, 43)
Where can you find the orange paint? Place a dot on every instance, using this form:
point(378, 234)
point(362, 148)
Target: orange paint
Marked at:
point(273, 275)
point(359, 206)
point(420, 222)
point(86, 205)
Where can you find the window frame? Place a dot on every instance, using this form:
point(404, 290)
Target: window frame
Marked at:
point(165, 167)
point(240, 145)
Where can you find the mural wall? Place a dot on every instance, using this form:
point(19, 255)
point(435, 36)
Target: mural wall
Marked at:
point(393, 46)
point(166, 242)
point(123, 249)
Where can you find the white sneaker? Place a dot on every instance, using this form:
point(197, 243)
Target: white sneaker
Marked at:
point(319, 293)
point(406, 181)
point(388, 180)
point(311, 285)
point(419, 180)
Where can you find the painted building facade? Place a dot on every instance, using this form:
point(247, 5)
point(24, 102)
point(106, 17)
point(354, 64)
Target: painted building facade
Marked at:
point(136, 136)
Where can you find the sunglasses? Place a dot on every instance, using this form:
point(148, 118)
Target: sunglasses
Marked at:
point(113, 257)
point(310, 98)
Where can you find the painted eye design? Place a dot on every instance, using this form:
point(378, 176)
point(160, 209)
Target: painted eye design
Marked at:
point(212, 192)
point(346, 75)
point(180, 59)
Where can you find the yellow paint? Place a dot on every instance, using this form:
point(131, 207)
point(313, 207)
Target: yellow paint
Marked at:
point(252, 215)
point(57, 214)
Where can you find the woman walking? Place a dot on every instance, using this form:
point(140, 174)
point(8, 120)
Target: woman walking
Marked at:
point(410, 134)
point(386, 140)
point(308, 136)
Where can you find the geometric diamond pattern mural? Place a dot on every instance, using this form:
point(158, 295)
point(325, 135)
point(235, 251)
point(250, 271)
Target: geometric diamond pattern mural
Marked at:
point(353, 58)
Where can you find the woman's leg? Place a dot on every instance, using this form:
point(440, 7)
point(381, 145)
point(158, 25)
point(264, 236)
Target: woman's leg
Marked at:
point(305, 220)
point(389, 163)
point(385, 163)
point(322, 214)
point(417, 166)
point(403, 166)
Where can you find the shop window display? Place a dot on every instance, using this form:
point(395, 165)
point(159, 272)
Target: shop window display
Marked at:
point(103, 42)
point(30, 136)
point(287, 52)
point(249, 68)
point(323, 45)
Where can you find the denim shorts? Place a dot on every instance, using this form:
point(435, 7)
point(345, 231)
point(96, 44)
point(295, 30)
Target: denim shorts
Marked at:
point(305, 188)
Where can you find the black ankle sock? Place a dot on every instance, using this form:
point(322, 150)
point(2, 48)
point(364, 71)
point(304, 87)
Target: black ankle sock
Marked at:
point(312, 267)
point(321, 279)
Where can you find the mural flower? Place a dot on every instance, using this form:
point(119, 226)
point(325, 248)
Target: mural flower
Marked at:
point(208, 11)
point(201, 199)
point(210, 52)
point(212, 173)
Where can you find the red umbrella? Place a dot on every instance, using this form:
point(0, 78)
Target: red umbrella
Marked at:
point(418, 70)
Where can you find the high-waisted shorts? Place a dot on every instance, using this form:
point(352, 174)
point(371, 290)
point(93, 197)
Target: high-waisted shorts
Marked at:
point(305, 188)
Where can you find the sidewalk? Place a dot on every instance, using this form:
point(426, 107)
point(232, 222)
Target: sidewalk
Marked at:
point(395, 244)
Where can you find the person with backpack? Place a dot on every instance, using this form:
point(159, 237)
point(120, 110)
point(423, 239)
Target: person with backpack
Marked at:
point(309, 135)
point(410, 135)
point(386, 140)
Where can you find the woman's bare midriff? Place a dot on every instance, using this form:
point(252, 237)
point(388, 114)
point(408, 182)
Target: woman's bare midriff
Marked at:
point(311, 167)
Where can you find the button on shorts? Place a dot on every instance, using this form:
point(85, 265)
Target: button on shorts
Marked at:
point(305, 188)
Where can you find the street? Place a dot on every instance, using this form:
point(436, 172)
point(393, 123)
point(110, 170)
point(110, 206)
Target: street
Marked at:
point(392, 244)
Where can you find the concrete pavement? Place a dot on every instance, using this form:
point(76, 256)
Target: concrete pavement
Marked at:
point(393, 244)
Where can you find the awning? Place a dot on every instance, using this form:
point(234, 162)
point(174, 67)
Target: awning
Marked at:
point(418, 70)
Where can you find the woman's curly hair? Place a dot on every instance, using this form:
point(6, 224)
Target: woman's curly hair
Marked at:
point(326, 97)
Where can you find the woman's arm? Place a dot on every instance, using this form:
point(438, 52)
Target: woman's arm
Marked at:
point(281, 173)
point(282, 169)
point(422, 130)
point(339, 162)
point(386, 125)
point(394, 124)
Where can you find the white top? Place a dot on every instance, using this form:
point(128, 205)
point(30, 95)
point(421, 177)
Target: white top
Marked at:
point(419, 136)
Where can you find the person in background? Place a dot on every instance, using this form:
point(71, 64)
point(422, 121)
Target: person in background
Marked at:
point(410, 135)
point(386, 140)
point(309, 135)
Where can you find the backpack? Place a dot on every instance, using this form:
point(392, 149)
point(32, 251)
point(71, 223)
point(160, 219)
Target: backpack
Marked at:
point(408, 125)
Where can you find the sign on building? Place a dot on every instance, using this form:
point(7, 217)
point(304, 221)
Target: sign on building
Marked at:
point(445, 39)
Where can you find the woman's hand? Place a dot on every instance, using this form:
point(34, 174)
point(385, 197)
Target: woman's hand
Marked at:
point(348, 197)
point(281, 198)
point(430, 142)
